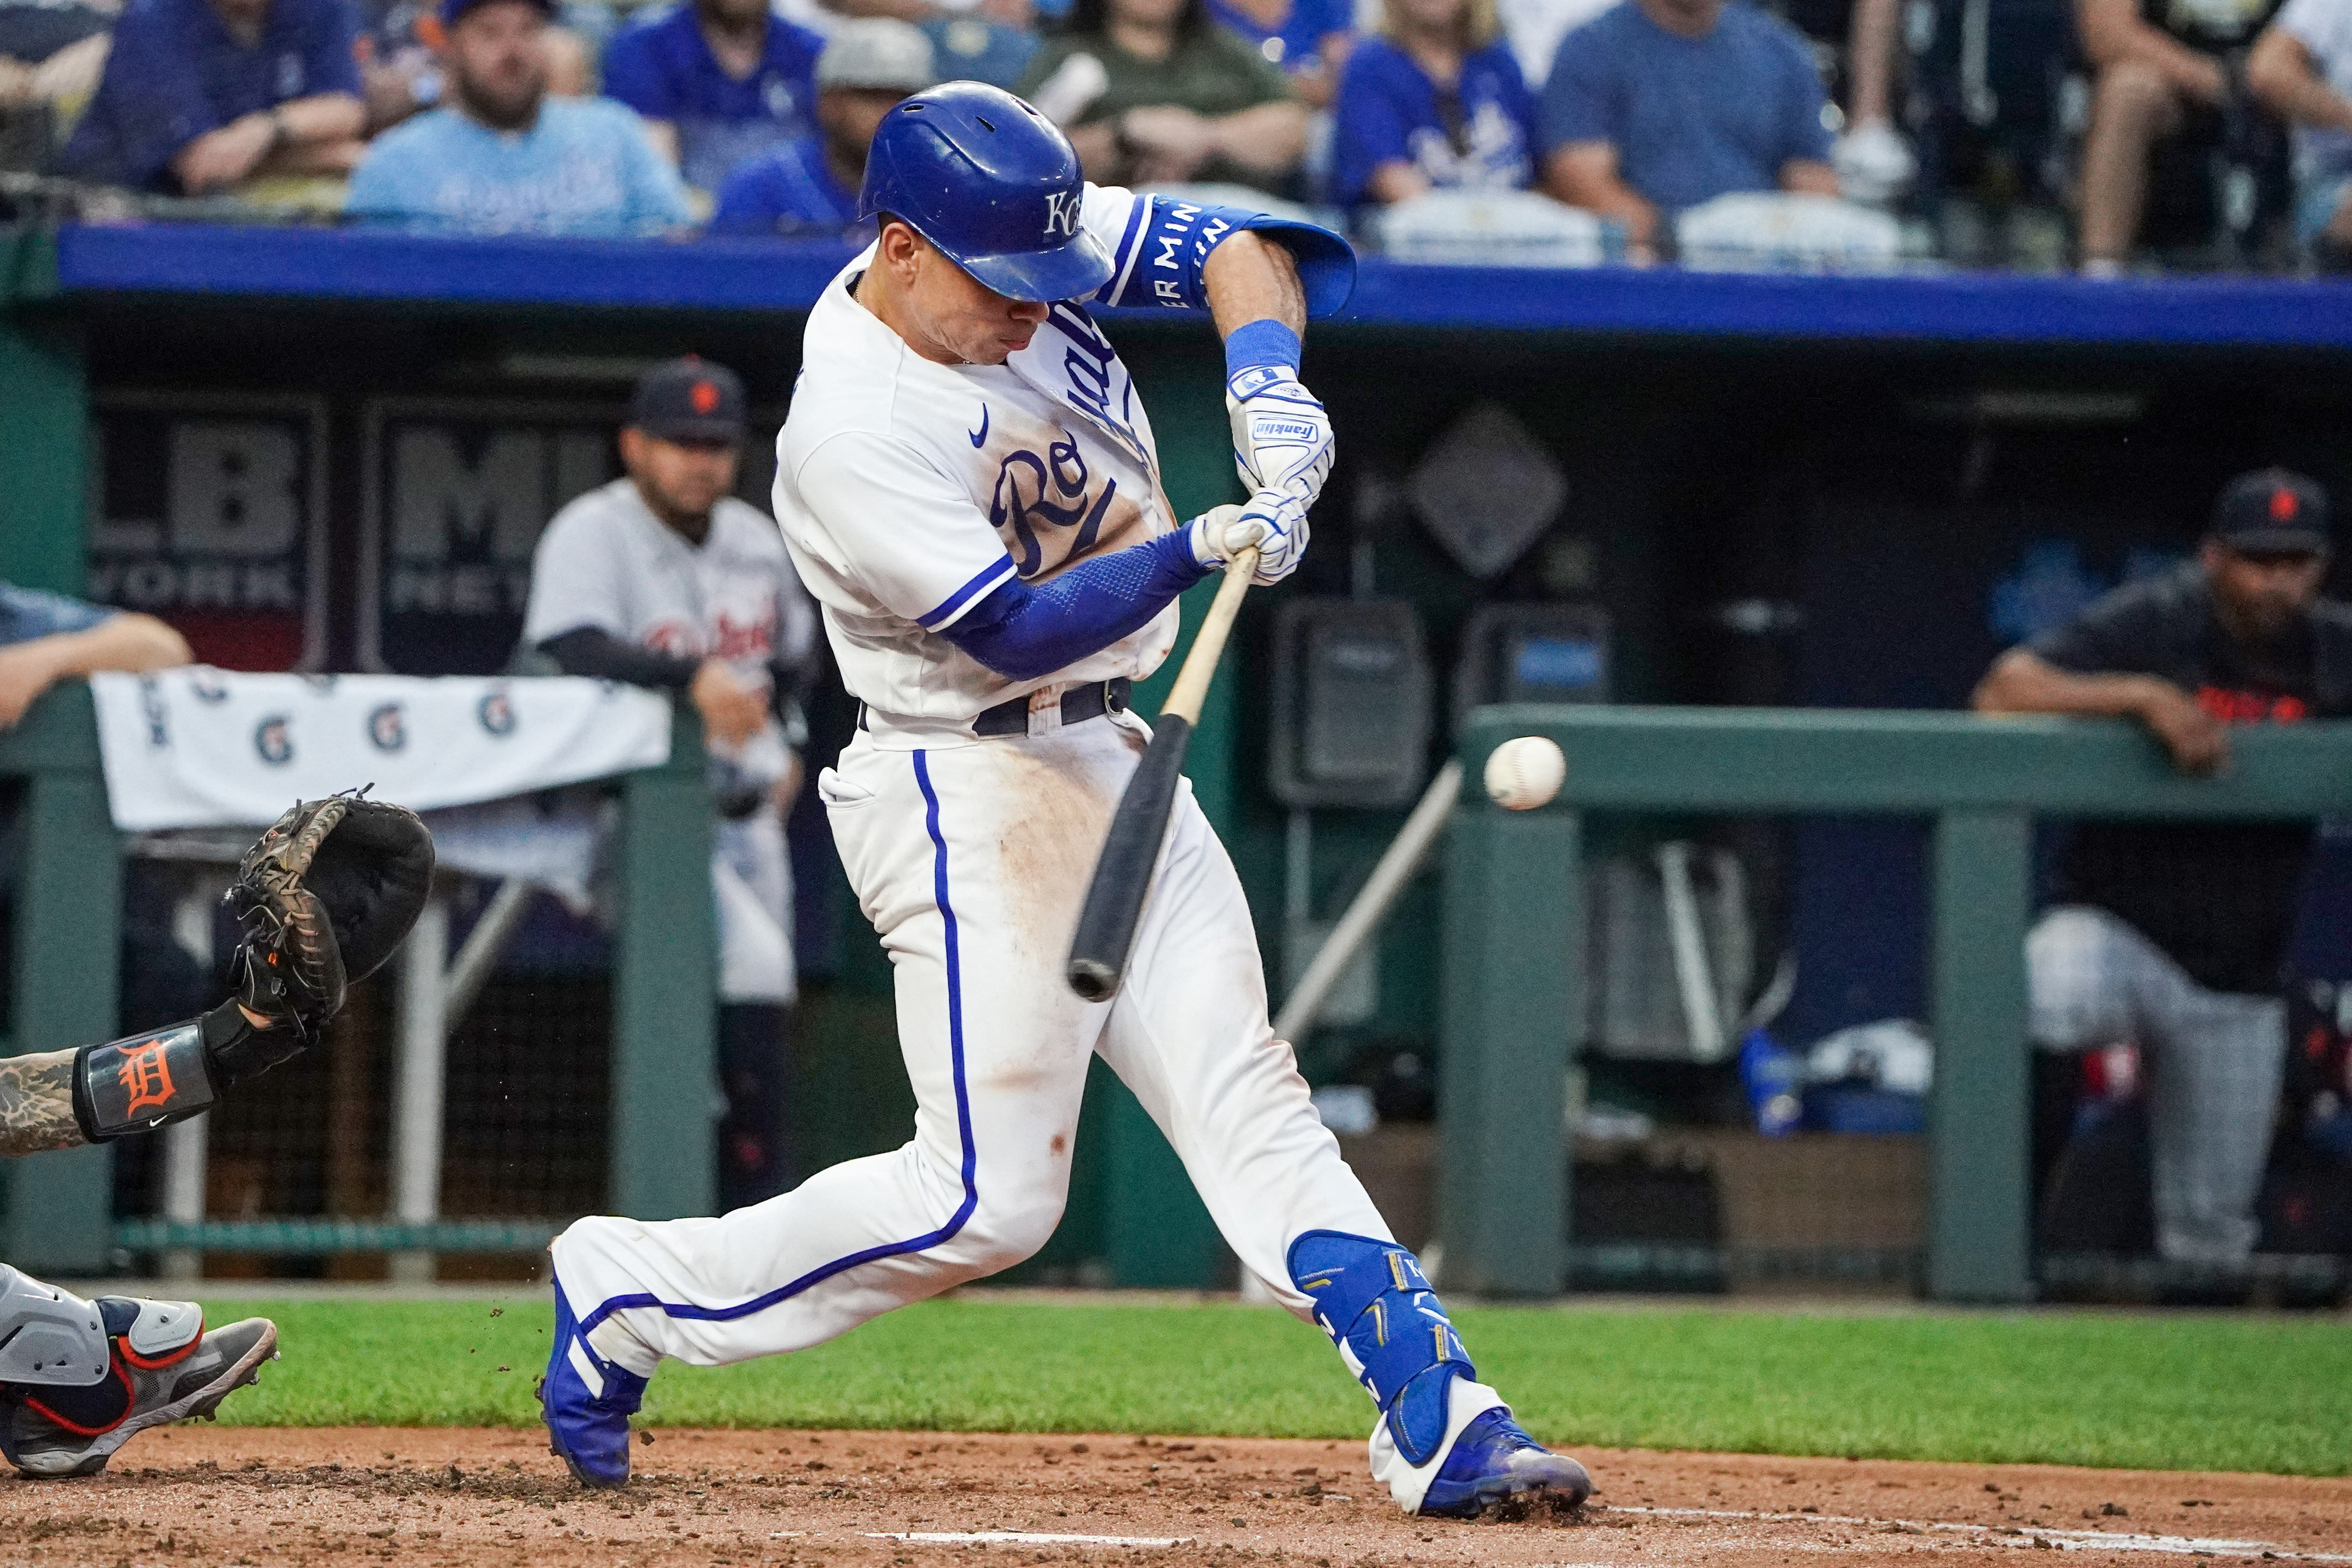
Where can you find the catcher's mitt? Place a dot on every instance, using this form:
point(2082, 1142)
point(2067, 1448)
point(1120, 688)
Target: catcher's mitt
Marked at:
point(325, 896)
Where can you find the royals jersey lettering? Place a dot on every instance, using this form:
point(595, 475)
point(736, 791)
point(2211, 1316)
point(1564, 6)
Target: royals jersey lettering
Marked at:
point(908, 490)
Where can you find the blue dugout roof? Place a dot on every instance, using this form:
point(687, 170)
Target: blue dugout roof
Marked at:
point(761, 276)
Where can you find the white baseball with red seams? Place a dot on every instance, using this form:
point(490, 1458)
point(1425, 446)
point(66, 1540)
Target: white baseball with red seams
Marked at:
point(1525, 772)
point(908, 490)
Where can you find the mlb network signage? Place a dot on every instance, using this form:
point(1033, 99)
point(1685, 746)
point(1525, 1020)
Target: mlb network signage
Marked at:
point(211, 514)
point(456, 494)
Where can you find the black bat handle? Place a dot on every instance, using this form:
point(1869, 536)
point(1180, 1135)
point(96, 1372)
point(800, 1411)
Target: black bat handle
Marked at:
point(1098, 953)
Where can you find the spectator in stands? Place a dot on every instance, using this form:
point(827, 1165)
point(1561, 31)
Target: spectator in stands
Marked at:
point(2173, 935)
point(46, 638)
point(809, 187)
point(2163, 74)
point(400, 49)
point(503, 157)
point(718, 82)
point(1154, 92)
point(1658, 105)
point(1434, 101)
point(663, 578)
point(201, 95)
point(1309, 39)
point(2302, 69)
point(1873, 161)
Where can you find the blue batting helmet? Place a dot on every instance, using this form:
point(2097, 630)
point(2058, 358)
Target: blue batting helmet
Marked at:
point(994, 184)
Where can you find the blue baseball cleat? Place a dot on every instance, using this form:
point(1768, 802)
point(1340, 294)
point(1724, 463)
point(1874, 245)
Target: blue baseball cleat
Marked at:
point(1493, 1460)
point(586, 1402)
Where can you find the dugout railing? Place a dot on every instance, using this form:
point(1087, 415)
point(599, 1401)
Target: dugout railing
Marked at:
point(65, 957)
point(1514, 985)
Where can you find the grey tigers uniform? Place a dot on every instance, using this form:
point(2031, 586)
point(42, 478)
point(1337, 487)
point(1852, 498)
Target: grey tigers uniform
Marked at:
point(607, 561)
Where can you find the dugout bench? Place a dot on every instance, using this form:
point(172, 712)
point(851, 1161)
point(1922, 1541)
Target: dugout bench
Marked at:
point(1514, 987)
point(55, 1208)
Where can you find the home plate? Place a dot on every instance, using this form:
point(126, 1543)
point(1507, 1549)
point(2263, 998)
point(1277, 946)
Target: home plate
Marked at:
point(1020, 1537)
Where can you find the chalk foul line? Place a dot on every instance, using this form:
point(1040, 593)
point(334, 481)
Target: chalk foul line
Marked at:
point(2064, 1540)
point(1020, 1537)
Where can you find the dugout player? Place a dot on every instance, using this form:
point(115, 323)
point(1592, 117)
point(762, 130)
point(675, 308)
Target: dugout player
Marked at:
point(2173, 935)
point(969, 484)
point(664, 579)
point(324, 896)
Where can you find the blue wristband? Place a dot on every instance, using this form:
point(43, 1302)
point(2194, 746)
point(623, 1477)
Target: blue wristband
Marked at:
point(1261, 344)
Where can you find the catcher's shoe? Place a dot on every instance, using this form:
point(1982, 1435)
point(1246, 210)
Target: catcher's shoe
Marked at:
point(162, 1367)
point(1493, 1460)
point(586, 1402)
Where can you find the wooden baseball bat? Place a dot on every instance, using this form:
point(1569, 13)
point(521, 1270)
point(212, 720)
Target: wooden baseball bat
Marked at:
point(1105, 933)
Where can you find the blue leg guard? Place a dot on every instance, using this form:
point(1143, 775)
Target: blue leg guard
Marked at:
point(586, 1402)
point(1374, 1301)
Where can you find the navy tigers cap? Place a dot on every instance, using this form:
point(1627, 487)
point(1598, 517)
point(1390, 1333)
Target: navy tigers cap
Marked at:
point(690, 399)
point(2272, 511)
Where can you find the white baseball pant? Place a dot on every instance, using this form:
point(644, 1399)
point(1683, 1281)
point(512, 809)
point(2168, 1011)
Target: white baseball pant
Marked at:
point(971, 857)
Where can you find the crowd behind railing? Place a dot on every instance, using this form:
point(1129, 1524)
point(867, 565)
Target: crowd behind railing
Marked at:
point(2108, 136)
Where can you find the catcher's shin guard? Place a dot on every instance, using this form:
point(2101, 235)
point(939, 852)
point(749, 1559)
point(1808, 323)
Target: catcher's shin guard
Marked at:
point(586, 1402)
point(159, 1365)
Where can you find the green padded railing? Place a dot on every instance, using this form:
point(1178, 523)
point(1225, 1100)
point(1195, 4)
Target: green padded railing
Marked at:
point(1514, 985)
point(55, 1207)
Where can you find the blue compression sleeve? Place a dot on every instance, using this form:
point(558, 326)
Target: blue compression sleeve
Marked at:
point(1024, 631)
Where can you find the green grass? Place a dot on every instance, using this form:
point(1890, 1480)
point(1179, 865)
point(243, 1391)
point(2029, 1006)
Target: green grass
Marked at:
point(2191, 1392)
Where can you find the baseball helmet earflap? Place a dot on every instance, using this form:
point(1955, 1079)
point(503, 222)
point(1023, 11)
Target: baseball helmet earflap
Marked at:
point(992, 184)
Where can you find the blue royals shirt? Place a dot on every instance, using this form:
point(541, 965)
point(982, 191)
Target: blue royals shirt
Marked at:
point(27, 613)
point(788, 190)
point(174, 72)
point(1388, 111)
point(662, 67)
point(584, 167)
point(1692, 119)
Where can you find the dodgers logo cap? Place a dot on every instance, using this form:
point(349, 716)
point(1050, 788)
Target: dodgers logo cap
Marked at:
point(2272, 512)
point(690, 399)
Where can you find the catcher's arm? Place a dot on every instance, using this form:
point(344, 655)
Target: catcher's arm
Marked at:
point(324, 896)
point(37, 1100)
point(36, 1109)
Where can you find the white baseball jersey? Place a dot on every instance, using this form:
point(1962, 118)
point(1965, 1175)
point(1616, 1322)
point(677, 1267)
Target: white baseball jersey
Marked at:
point(607, 561)
point(910, 490)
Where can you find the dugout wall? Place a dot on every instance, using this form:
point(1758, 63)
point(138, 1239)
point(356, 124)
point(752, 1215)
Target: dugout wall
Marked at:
point(1779, 489)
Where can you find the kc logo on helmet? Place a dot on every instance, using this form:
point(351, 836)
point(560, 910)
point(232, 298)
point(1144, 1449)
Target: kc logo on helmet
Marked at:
point(1062, 213)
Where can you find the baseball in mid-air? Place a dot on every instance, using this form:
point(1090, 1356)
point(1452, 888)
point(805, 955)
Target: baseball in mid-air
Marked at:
point(1525, 773)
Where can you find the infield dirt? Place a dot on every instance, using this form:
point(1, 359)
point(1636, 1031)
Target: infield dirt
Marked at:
point(284, 1497)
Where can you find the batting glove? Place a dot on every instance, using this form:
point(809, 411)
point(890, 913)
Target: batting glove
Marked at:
point(1282, 437)
point(1274, 523)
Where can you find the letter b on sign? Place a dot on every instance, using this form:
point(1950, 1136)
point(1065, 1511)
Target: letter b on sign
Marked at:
point(233, 489)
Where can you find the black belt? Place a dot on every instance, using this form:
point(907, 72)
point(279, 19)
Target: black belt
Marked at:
point(1079, 704)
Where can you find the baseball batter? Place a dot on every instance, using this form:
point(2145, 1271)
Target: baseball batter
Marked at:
point(968, 485)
